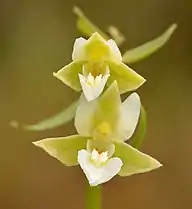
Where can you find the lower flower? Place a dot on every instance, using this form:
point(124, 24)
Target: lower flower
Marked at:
point(99, 148)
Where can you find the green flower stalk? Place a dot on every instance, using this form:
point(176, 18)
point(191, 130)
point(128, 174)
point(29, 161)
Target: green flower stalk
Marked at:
point(103, 126)
point(97, 62)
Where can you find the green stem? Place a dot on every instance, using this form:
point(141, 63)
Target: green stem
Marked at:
point(93, 197)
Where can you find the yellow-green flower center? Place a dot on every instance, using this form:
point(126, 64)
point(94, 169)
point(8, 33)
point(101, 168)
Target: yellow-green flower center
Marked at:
point(95, 68)
point(102, 132)
point(97, 50)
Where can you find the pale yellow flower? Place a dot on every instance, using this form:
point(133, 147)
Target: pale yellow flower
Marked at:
point(97, 62)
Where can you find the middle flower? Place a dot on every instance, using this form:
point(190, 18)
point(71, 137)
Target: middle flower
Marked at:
point(97, 62)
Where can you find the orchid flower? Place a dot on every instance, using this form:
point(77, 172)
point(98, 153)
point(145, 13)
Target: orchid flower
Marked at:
point(95, 63)
point(103, 126)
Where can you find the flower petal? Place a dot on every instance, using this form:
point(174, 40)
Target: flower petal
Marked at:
point(134, 161)
point(78, 49)
point(64, 149)
point(107, 115)
point(84, 123)
point(109, 103)
point(112, 168)
point(98, 174)
point(104, 110)
point(96, 48)
point(130, 109)
point(127, 79)
point(91, 172)
point(69, 75)
point(93, 87)
point(115, 50)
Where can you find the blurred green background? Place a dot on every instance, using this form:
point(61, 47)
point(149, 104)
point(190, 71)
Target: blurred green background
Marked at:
point(36, 39)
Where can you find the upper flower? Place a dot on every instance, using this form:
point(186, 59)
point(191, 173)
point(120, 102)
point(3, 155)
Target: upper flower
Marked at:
point(103, 125)
point(97, 62)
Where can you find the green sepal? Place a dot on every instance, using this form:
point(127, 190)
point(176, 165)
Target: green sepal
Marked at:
point(134, 161)
point(127, 79)
point(99, 116)
point(69, 75)
point(64, 149)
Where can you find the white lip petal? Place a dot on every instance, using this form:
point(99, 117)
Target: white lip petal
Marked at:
point(91, 172)
point(78, 51)
point(114, 48)
point(98, 174)
point(112, 168)
point(87, 88)
point(93, 87)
